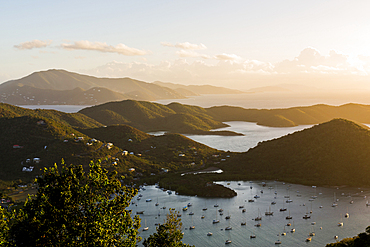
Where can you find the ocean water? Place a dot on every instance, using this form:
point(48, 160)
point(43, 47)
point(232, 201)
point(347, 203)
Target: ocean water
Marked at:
point(326, 218)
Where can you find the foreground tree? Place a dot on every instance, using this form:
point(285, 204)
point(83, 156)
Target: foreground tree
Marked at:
point(168, 234)
point(74, 208)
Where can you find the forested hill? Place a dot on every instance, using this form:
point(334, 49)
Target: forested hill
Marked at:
point(293, 116)
point(332, 153)
point(147, 116)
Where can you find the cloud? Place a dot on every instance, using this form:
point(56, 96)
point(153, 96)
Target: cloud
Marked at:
point(184, 53)
point(104, 47)
point(33, 44)
point(229, 57)
point(310, 60)
point(185, 46)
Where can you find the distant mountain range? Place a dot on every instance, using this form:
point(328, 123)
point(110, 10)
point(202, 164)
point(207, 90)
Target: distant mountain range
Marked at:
point(60, 87)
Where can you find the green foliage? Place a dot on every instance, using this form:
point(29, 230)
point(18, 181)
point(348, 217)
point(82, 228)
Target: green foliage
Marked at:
point(168, 234)
point(75, 208)
point(332, 153)
point(5, 217)
point(147, 116)
point(361, 240)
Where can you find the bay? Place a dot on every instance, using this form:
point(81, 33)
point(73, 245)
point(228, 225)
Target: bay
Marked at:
point(326, 218)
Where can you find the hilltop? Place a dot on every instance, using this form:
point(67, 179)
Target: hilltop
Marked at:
point(293, 116)
point(333, 153)
point(64, 87)
point(149, 117)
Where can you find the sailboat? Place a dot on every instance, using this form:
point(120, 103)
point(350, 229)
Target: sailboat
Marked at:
point(216, 220)
point(284, 232)
point(293, 229)
point(289, 217)
point(259, 217)
point(157, 204)
point(192, 226)
point(283, 208)
point(269, 213)
point(335, 202)
point(341, 221)
point(312, 233)
point(347, 214)
point(209, 234)
point(146, 228)
point(205, 207)
point(306, 216)
point(367, 203)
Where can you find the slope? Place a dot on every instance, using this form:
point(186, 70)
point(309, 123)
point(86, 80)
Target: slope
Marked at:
point(332, 153)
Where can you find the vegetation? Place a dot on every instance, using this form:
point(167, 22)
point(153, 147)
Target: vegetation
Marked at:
point(75, 208)
point(292, 116)
point(361, 240)
point(168, 234)
point(148, 117)
point(332, 153)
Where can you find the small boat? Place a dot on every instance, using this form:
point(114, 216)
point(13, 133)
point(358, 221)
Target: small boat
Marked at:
point(289, 217)
point(204, 209)
point(191, 227)
point(216, 205)
point(157, 204)
point(243, 223)
point(278, 242)
point(148, 200)
point(273, 203)
point(191, 213)
point(244, 210)
point(306, 216)
point(289, 224)
point(220, 210)
point(308, 239)
point(367, 203)
point(289, 201)
point(335, 237)
point(189, 204)
point(185, 208)
point(258, 225)
point(313, 223)
point(179, 215)
point(228, 241)
point(140, 212)
point(340, 224)
point(202, 217)
point(250, 200)
point(256, 196)
point(241, 206)
point(209, 234)
point(227, 217)
point(346, 215)
point(228, 228)
point(215, 221)
point(146, 228)
point(269, 213)
point(252, 236)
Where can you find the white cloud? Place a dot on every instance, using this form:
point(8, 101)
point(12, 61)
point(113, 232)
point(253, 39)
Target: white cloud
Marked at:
point(33, 44)
point(183, 53)
point(185, 45)
point(104, 47)
point(229, 57)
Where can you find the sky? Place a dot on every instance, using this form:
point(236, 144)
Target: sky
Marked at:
point(238, 44)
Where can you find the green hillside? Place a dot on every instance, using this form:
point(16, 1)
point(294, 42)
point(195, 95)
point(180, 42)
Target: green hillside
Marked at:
point(291, 116)
point(147, 116)
point(332, 153)
point(75, 120)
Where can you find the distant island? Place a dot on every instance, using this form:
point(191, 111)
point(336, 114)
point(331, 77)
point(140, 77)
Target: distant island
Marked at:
point(61, 87)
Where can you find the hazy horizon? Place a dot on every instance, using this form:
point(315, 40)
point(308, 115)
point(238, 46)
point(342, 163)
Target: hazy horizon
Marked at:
point(239, 44)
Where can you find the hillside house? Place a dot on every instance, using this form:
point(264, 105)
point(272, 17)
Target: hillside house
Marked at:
point(36, 160)
point(124, 153)
point(109, 145)
point(131, 169)
point(41, 122)
point(17, 146)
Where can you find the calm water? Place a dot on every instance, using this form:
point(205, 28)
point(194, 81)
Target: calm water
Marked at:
point(62, 108)
point(327, 217)
point(253, 134)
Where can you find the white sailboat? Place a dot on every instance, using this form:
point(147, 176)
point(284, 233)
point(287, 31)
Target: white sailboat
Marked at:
point(146, 228)
point(335, 201)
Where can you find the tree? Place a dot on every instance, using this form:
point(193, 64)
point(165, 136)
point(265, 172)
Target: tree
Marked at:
point(168, 234)
point(5, 217)
point(74, 208)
